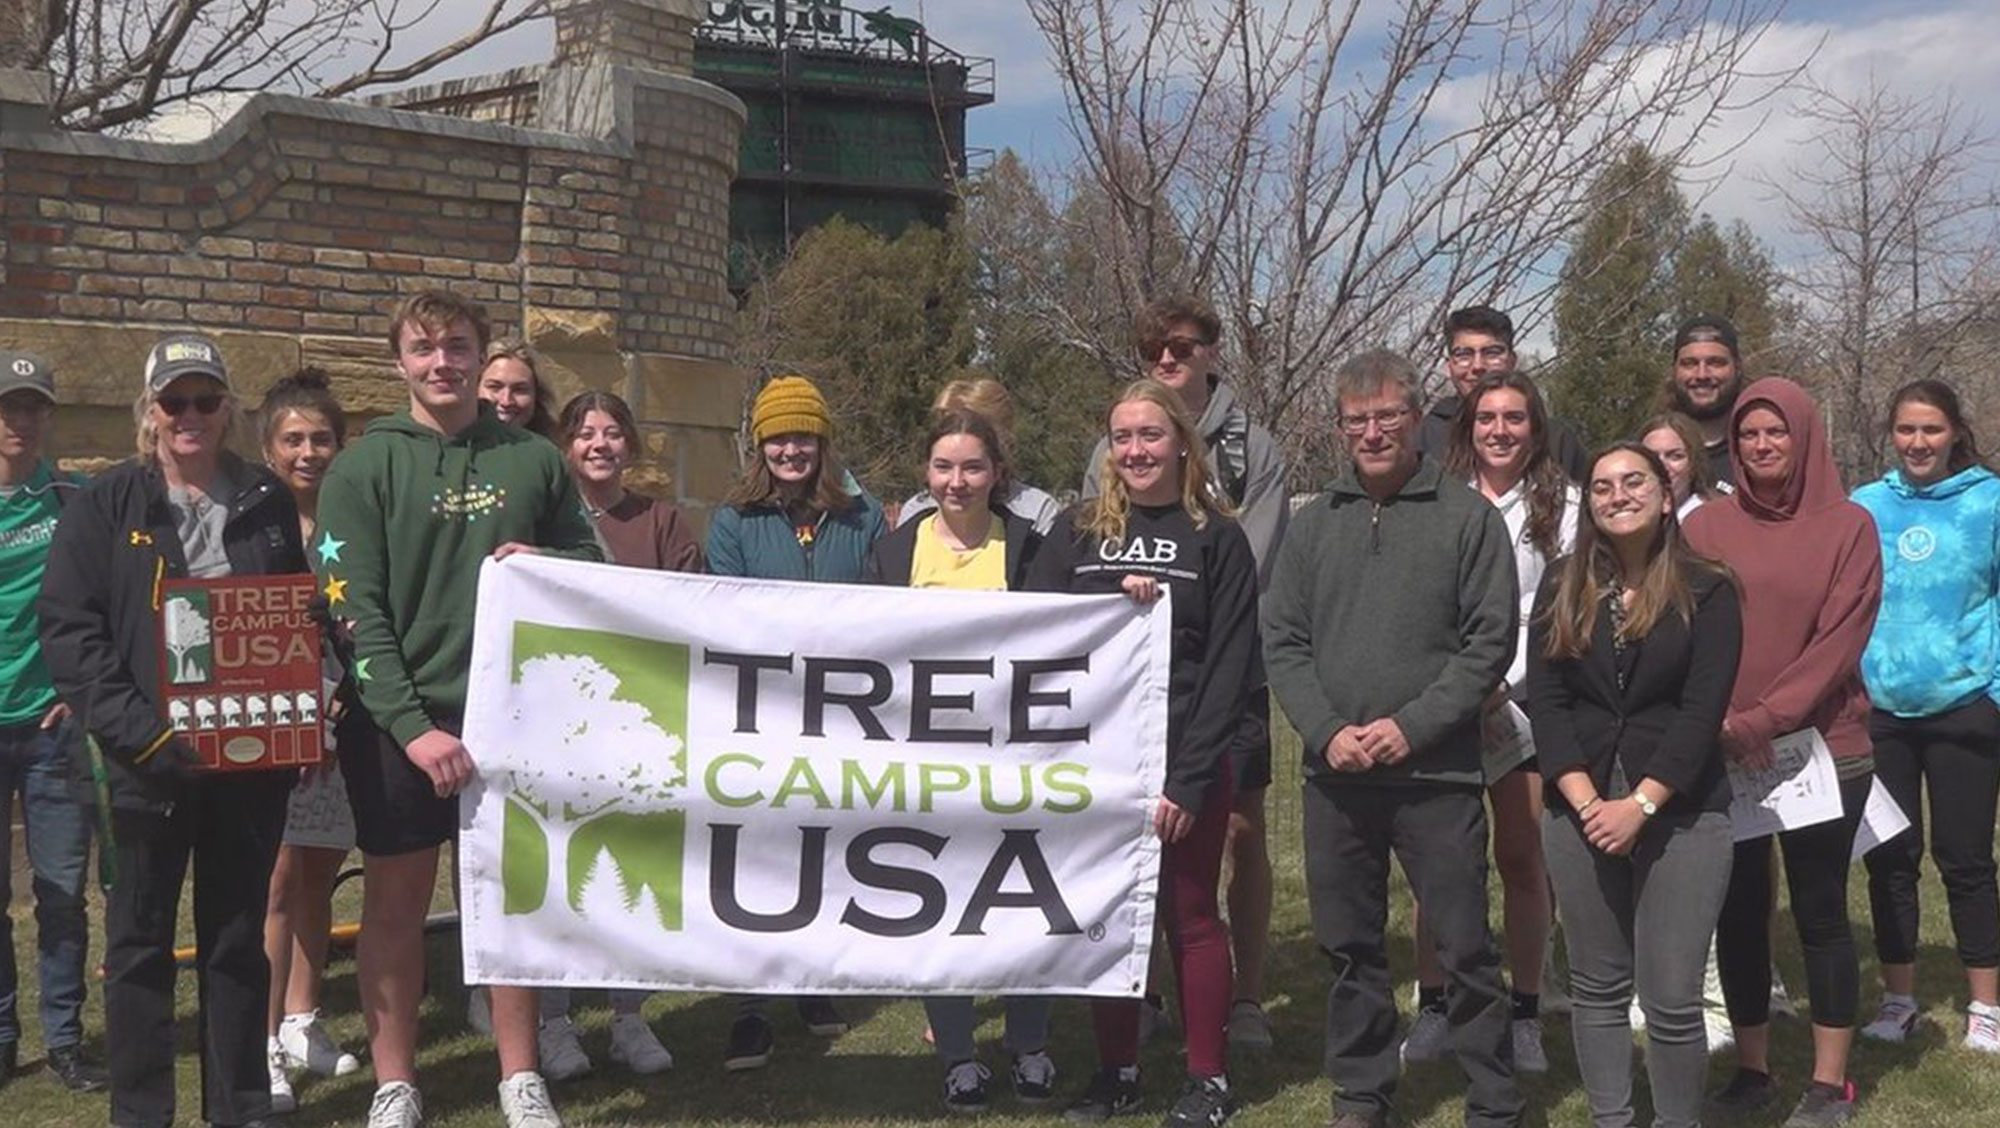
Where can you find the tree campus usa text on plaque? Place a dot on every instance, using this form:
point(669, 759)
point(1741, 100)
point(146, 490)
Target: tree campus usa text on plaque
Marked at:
point(240, 670)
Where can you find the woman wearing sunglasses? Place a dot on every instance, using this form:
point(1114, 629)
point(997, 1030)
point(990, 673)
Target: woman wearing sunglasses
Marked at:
point(184, 507)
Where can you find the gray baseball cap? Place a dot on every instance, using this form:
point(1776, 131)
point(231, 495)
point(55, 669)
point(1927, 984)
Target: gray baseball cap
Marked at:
point(19, 370)
point(184, 354)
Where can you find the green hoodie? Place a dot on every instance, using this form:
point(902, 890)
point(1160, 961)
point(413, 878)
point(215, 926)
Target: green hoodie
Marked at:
point(444, 503)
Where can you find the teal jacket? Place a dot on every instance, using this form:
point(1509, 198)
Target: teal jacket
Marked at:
point(1936, 644)
point(759, 541)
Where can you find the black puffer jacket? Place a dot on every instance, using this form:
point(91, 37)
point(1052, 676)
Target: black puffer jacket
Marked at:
point(100, 611)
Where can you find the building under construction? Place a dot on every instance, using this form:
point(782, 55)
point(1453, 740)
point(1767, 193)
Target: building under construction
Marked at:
point(852, 113)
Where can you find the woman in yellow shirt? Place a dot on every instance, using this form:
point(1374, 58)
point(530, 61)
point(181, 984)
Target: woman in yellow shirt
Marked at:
point(971, 544)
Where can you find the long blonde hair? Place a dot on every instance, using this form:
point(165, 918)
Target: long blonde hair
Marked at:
point(1105, 516)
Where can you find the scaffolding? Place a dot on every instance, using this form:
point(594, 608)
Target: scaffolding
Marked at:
point(855, 114)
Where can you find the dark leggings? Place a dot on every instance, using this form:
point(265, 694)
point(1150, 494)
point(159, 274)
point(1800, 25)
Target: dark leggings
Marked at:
point(1955, 756)
point(1816, 865)
point(1199, 944)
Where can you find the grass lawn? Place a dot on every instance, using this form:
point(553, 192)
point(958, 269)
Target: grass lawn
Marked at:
point(882, 1073)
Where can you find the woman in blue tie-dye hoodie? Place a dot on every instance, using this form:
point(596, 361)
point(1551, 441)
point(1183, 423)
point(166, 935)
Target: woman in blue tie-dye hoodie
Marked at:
point(1931, 669)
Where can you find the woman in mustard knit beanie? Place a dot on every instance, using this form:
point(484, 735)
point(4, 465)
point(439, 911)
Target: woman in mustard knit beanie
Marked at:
point(796, 515)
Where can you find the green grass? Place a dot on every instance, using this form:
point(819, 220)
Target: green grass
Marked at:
point(882, 1073)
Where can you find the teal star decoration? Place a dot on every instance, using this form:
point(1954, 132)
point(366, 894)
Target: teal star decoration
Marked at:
point(329, 548)
point(361, 669)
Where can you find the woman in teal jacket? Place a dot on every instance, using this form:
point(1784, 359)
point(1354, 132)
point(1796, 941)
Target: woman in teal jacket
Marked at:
point(796, 515)
point(1930, 668)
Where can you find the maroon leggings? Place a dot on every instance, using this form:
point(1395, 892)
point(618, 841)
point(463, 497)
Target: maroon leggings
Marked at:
point(1199, 944)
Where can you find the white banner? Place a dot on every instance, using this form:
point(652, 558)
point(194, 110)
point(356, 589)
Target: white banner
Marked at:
point(718, 784)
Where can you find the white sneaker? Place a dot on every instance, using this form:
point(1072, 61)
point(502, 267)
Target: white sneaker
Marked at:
point(1781, 1000)
point(1982, 1028)
point(1721, 1035)
point(1425, 1041)
point(478, 1011)
point(636, 1047)
point(1529, 1057)
point(282, 1098)
point(524, 1101)
point(1894, 1022)
point(562, 1053)
point(307, 1045)
point(396, 1105)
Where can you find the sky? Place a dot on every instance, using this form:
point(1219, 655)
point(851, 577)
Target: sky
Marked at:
point(1921, 48)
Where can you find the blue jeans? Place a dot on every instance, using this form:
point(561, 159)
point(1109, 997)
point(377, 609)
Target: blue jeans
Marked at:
point(33, 762)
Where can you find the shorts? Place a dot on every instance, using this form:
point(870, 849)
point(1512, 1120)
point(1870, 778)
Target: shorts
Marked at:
point(317, 815)
point(396, 810)
point(1250, 745)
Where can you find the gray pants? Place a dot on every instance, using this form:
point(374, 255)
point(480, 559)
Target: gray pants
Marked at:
point(953, 1022)
point(1644, 918)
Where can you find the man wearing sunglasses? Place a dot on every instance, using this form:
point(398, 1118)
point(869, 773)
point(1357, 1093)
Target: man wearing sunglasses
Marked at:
point(1179, 345)
point(1480, 340)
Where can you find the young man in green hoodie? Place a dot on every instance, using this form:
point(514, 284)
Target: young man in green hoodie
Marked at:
point(1389, 620)
point(447, 484)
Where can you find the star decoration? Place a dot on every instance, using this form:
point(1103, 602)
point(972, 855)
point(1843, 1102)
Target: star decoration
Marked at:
point(336, 591)
point(329, 549)
point(361, 669)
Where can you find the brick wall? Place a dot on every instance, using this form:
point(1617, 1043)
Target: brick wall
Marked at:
point(292, 232)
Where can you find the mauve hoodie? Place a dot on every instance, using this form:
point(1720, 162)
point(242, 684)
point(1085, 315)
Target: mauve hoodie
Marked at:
point(1810, 569)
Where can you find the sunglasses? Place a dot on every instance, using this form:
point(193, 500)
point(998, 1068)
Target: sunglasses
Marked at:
point(208, 403)
point(1180, 347)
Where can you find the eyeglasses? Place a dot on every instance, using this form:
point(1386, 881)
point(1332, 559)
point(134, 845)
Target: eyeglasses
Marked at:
point(208, 403)
point(1388, 421)
point(1180, 347)
point(1463, 354)
point(1637, 483)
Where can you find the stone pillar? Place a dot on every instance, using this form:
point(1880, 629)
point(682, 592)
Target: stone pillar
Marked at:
point(24, 93)
point(647, 34)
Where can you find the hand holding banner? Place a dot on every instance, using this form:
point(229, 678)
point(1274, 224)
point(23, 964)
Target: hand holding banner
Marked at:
point(709, 783)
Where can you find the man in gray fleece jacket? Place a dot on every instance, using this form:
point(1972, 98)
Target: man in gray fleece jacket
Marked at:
point(1389, 619)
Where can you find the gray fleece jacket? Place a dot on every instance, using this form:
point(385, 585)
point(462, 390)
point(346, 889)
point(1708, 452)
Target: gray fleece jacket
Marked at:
point(1402, 609)
point(1264, 504)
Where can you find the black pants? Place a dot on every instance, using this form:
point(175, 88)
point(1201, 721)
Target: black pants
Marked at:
point(230, 825)
point(1955, 756)
point(1439, 834)
point(1816, 865)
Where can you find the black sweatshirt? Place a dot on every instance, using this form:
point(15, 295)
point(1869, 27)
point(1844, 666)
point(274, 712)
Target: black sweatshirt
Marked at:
point(1213, 577)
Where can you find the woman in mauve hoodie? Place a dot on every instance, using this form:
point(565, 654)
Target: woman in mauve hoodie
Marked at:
point(1810, 569)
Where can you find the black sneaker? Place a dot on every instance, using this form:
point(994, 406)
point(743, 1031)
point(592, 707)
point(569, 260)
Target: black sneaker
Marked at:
point(1109, 1095)
point(1205, 1103)
point(77, 1073)
point(965, 1087)
point(749, 1043)
point(821, 1016)
point(1824, 1106)
point(1747, 1092)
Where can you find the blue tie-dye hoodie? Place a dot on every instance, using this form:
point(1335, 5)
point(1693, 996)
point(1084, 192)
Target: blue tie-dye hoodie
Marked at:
point(1936, 644)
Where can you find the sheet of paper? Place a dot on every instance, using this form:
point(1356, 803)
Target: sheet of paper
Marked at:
point(1508, 741)
point(1798, 789)
point(1881, 820)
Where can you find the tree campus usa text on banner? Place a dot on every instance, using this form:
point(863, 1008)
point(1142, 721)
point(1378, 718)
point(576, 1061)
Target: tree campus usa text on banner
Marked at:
point(718, 784)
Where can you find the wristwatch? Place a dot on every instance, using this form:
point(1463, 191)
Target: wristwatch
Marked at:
point(1647, 807)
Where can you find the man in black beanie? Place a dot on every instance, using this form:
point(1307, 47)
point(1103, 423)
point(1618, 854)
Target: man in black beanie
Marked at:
point(1703, 383)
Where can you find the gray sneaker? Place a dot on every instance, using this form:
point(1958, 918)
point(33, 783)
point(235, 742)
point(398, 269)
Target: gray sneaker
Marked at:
point(1824, 1106)
point(1249, 1026)
point(1426, 1039)
point(396, 1105)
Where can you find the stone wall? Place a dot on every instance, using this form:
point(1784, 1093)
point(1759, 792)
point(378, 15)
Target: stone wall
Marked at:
point(291, 233)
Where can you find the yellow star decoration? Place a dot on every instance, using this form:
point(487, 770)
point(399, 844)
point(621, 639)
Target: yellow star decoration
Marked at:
point(336, 591)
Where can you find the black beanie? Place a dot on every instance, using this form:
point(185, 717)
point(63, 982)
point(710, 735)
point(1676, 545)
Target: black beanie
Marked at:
point(1707, 328)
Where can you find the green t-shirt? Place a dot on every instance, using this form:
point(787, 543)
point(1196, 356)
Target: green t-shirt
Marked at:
point(28, 515)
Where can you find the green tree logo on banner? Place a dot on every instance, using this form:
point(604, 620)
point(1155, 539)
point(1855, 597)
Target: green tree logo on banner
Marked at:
point(600, 690)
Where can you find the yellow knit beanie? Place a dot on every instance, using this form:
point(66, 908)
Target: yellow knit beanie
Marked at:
point(789, 405)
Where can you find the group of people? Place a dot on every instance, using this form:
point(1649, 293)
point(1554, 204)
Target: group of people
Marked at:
point(1477, 625)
